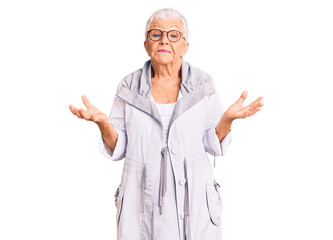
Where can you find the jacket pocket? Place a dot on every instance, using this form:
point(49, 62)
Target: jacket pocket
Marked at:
point(119, 198)
point(214, 202)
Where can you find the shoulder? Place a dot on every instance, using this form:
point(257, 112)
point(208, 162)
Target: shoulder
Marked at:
point(130, 81)
point(199, 78)
point(195, 76)
point(197, 81)
point(199, 72)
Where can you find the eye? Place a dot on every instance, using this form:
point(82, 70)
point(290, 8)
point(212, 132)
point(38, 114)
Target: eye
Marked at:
point(156, 35)
point(174, 35)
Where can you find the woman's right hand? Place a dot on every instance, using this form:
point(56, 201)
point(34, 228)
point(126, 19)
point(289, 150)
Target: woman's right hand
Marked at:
point(91, 114)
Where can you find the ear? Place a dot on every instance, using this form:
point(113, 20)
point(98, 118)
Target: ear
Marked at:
point(185, 49)
point(146, 46)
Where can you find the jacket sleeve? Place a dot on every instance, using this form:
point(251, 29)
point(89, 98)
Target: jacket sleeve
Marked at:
point(214, 111)
point(117, 119)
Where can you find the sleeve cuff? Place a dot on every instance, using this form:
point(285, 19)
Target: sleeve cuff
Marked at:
point(119, 150)
point(219, 148)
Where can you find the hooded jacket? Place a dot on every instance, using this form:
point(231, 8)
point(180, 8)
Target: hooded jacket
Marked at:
point(198, 203)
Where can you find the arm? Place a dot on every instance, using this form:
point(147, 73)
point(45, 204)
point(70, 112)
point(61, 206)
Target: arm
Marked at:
point(223, 128)
point(113, 139)
point(109, 134)
point(217, 136)
point(235, 111)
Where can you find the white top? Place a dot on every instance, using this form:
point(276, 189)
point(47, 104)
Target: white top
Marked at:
point(165, 110)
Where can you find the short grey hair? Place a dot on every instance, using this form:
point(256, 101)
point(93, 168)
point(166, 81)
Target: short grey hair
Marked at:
point(165, 13)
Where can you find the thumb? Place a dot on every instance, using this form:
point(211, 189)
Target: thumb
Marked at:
point(86, 102)
point(242, 97)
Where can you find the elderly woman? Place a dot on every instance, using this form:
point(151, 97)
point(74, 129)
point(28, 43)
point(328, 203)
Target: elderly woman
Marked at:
point(164, 119)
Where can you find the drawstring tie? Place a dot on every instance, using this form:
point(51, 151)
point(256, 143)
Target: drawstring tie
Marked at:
point(187, 210)
point(163, 188)
point(143, 187)
point(163, 177)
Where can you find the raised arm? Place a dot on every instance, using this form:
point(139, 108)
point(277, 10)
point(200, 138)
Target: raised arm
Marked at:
point(92, 114)
point(236, 110)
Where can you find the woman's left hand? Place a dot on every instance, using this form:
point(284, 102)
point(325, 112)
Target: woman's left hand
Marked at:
point(236, 110)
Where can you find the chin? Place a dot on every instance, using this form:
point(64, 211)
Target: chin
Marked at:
point(162, 60)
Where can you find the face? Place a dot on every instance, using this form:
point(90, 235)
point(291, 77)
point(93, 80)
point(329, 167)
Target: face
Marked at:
point(175, 51)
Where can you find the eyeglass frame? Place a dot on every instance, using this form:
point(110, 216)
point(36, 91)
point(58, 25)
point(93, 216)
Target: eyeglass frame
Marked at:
point(181, 35)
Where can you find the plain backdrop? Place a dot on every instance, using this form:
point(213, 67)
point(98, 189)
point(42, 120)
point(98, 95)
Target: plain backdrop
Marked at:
point(276, 178)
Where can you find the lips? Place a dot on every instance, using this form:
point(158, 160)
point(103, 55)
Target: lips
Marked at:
point(163, 50)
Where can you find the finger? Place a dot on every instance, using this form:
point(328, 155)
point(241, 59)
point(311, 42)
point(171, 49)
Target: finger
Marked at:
point(242, 97)
point(71, 108)
point(85, 114)
point(256, 103)
point(248, 111)
point(79, 111)
point(75, 111)
point(253, 111)
point(259, 99)
point(86, 102)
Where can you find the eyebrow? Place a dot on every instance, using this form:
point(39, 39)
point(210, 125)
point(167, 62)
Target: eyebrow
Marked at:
point(175, 26)
point(170, 27)
point(155, 25)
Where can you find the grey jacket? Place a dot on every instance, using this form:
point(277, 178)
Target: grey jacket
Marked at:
point(137, 121)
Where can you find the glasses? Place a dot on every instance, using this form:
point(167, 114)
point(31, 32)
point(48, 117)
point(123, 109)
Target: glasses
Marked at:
point(156, 35)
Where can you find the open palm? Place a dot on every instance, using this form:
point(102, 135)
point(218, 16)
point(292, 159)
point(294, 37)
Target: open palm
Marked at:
point(236, 110)
point(91, 114)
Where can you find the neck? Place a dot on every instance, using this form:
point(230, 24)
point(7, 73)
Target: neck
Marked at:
point(166, 71)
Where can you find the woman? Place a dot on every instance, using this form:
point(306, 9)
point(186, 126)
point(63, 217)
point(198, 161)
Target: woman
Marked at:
point(164, 119)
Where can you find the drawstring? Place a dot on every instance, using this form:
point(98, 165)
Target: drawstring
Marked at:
point(143, 187)
point(163, 188)
point(187, 210)
point(163, 177)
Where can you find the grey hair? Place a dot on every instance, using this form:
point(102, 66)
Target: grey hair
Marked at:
point(165, 13)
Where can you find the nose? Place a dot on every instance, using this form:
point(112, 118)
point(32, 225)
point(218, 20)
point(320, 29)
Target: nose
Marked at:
point(164, 38)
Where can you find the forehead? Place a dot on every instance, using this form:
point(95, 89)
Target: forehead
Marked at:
point(166, 24)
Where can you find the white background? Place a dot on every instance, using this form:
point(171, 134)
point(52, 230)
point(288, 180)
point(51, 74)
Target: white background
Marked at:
point(276, 178)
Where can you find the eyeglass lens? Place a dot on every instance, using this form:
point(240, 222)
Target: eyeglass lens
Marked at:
point(172, 35)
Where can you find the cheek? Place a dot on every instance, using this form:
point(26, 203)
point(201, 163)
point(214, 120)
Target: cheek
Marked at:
point(149, 50)
point(178, 50)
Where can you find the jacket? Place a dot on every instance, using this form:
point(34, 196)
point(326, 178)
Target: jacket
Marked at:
point(198, 203)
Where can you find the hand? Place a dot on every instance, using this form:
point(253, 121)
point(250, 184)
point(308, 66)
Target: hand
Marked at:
point(236, 110)
point(91, 114)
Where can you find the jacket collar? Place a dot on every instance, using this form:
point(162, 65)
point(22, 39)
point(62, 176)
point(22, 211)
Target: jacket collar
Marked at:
point(194, 86)
point(145, 79)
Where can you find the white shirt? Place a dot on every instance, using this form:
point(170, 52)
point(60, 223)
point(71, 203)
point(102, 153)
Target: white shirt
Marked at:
point(165, 111)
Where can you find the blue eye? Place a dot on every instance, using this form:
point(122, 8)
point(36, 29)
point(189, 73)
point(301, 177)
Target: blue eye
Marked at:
point(174, 36)
point(157, 35)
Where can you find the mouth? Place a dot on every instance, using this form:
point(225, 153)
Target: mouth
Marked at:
point(163, 50)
